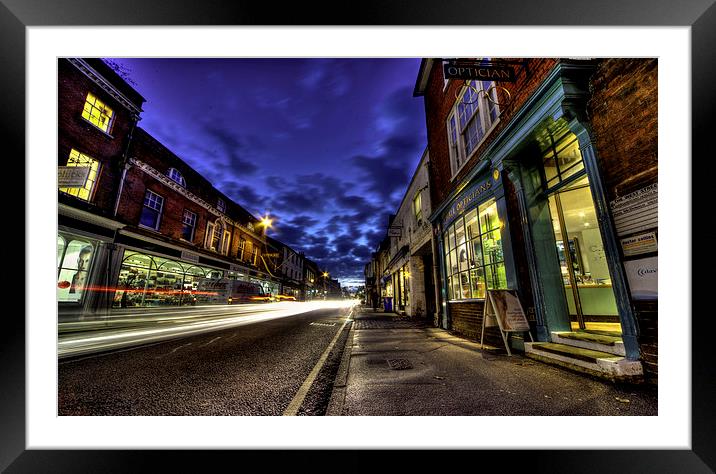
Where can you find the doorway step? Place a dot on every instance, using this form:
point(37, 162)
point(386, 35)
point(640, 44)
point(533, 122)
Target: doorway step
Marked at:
point(597, 354)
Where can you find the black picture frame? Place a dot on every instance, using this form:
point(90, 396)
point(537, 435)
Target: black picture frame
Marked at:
point(16, 15)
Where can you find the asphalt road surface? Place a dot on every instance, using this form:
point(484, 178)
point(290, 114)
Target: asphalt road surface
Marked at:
point(256, 369)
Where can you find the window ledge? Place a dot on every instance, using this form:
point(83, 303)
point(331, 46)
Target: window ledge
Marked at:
point(96, 127)
point(142, 226)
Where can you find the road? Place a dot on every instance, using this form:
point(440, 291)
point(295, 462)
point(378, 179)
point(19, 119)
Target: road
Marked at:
point(262, 368)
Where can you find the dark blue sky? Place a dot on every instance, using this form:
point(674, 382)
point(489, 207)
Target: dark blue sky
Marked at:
point(325, 146)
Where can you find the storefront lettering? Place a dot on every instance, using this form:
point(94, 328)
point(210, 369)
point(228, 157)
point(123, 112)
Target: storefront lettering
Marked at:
point(461, 204)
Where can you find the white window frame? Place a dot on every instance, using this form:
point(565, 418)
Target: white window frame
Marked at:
point(221, 205)
point(457, 151)
point(177, 177)
point(159, 211)
point(193, 223)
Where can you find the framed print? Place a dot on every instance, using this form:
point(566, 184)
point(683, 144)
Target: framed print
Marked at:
point(37, 33)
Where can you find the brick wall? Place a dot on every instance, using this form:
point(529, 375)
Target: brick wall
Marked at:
point(624, 110)
point(76, 132)
point(467, 322)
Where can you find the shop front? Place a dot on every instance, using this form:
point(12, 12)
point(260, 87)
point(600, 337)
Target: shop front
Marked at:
point(571, 253)
point(474, 250)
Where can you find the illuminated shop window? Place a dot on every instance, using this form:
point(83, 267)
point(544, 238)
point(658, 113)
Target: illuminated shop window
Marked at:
point(473, 254)
point(188, 225)
point(74, 259)
point(146, 280)
point(472, 117)
point(176, 176)
point(152, 210)
point(81, 160)
point(97, 113)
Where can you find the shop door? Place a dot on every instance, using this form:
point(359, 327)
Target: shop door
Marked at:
point(585, 273)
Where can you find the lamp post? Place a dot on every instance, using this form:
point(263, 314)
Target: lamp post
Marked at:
point(325, 278)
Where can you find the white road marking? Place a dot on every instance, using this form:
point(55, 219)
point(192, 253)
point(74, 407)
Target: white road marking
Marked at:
point(295, 404)
point(177, 348)
point(204, 345)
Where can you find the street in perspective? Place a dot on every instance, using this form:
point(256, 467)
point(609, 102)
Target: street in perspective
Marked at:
point(357, 237)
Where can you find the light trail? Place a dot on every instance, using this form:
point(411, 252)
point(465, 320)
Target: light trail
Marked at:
point(122, 331)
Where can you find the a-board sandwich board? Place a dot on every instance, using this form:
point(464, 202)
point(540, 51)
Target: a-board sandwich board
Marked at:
point(503, 309)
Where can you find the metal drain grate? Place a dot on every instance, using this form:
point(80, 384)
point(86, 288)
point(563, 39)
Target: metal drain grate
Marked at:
point(399, 364)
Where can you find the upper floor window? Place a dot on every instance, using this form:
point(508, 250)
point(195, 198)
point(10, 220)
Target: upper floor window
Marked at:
point(188, 225)
point(152, 210)
point(176, 176)
point(97, 113)
point(470, 120)
point(255, 255)
point(418, 207)
point(80, 159)
point(221, 205)
point(217, 237)
point(242, 246)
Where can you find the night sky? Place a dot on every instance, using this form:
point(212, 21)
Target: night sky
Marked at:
point(326, 147)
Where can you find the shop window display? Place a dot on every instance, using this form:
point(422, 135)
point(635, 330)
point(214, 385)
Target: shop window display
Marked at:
point(473, 254)
point(146, 280)
point(74, 259)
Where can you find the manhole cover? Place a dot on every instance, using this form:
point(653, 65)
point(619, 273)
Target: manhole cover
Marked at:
point(399, 364)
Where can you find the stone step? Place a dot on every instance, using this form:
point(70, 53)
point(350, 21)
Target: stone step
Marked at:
point(611, 344)
point(604, 365)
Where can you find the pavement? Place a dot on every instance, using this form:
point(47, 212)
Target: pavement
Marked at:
point(394, 365)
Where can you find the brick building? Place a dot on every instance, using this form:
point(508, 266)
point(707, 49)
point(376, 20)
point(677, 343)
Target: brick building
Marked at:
point(138, 227)
point(545, 183)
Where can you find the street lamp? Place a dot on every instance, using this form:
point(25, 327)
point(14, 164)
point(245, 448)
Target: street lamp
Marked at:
point(266, 222)
point(325, 278)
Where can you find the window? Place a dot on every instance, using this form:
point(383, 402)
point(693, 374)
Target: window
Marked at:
point(74, 257)
point(473, 115)
point(254, 255)
point(81, 160)
point(473, 254)
point(417, 208)
point(221, 205)
point(97, 113)
point(561, 156)
point(188, 225)
point(176, 176)
point(152, 210)
point(217, 237)
point(242, 246)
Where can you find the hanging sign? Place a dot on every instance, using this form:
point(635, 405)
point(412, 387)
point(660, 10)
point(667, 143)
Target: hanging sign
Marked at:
point(395, 231)
point(504, 310)
point(478, 70)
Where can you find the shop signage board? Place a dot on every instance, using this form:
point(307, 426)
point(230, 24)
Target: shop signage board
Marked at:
point(637, 211)
point(639, 244)
point(190, 257)
point(72, 176)
point(504, 310)
point(466, 200)
point(478, 70)
point(643, 278)
point(395, 231)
